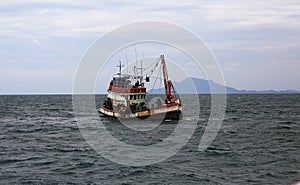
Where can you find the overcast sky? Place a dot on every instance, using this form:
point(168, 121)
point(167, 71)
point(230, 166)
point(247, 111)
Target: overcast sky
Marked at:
point(257, 44)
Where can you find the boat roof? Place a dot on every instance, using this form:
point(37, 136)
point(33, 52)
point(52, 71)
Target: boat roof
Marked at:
point(127, 76)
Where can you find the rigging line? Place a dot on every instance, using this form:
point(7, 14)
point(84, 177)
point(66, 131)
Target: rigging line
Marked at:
point(136, 62)
point(175, 93)
point(142, 62)
point(127, 62)
point(153, 85)
point(158, 74)
point(153, 68)
point(149, 68)
point(160, 79)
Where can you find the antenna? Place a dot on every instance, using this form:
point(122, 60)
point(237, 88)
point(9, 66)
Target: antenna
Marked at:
point(142, 62)
point(136, 58)
point(120, 67)
point(141, 69)
point(134, 72)
point(126, 62)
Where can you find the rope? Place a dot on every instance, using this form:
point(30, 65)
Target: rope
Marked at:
point(152, 68)
point(158, 74)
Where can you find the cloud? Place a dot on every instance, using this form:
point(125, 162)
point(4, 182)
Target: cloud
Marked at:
point(231, 66)
point(69, 19)
point(36, 41)
point(242, 34)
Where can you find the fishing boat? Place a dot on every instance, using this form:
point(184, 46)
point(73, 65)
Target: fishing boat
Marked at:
point(127, 96)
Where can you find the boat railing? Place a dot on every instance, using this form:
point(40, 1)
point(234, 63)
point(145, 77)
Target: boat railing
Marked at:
point(139, 89)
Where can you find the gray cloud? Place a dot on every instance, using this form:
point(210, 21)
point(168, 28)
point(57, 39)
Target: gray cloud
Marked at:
point(262, 37)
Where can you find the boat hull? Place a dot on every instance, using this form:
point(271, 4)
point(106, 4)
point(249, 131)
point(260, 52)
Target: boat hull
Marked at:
point(166, 112)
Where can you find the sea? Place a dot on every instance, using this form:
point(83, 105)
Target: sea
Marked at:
point(258, 143)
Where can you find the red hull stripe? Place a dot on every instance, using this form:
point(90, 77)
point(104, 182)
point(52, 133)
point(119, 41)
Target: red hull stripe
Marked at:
point(127, 90)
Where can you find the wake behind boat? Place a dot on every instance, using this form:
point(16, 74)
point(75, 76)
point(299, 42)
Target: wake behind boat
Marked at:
point(128, 100)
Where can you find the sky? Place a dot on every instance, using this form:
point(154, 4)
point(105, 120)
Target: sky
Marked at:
point(257, 44)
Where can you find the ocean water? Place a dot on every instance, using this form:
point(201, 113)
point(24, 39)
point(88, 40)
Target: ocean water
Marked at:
point(259, 143)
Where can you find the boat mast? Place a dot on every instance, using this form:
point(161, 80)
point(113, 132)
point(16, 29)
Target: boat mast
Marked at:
point(120, 67)
point(141, 72)
point(167, 82)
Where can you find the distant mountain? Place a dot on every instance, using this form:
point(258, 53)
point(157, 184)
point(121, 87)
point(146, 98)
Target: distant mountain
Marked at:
point(202, 87)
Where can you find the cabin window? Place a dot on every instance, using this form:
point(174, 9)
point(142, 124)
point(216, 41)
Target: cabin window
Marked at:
point(134, 97)
point(138, 96)
point(131, 96)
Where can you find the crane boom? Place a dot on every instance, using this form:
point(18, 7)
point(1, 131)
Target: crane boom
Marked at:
point(167, 83)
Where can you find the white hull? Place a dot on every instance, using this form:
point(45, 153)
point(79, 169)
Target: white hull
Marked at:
point(168, 111)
